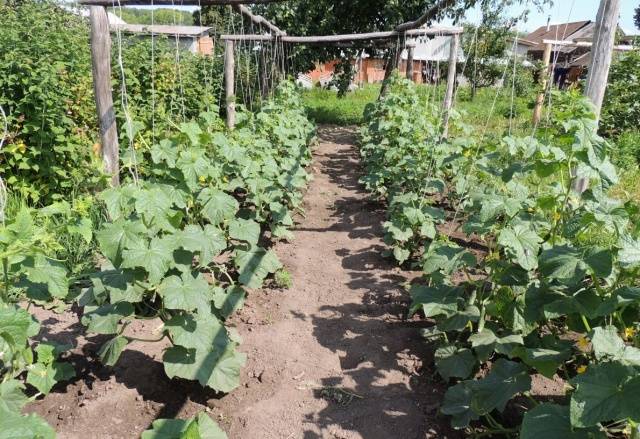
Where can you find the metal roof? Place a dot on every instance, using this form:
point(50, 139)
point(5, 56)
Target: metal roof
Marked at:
point(161, 29)
point(563, 31)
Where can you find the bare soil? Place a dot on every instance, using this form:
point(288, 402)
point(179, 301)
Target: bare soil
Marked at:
point(332, 357)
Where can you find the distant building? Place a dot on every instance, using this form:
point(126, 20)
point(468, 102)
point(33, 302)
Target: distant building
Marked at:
point(428, 53)
point(578, 31)
point(195, 39)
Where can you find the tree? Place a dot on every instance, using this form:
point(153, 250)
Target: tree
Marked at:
point(160, 16)
point(637, 17)
point(485, 46)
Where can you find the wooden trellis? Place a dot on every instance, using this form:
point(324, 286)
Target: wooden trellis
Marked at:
point(101, 58)
point(454, 32)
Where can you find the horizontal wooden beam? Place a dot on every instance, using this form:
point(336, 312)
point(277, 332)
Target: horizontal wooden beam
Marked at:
point(346, 38)
point(259, 19)
point(111, 3)
point(620, 48)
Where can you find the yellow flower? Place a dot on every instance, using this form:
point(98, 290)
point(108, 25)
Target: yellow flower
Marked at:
point(202, 179)
point(629, 332)
point(557, 216)
point(467, 153)
point(583, 343)
point(225, 179)
point(21, 147)
point(581, 369)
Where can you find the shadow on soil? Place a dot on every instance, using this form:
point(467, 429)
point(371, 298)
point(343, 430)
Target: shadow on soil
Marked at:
point(384, 391)
point(134, 369)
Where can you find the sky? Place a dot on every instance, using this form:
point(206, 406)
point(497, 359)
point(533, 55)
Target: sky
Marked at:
point(570, 10)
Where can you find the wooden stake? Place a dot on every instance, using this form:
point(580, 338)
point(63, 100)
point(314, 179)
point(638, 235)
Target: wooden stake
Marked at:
point(101, 67)
point(537, 111)
point(229, 78)
point(601, 52)
point(411, 47)
point(451, 83)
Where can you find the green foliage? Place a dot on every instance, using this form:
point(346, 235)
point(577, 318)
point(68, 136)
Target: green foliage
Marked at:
point(555, 261)
point(621, 109)
point(160, 16)
point(520, 82)
point(626, 151)
point(46, 91)
point(199, 427)
point(184, 244)
point(27, 275)
point(343, 75)
point(53, 150)
point(283, 279)
point(325, 107)
point(176, 87)
point(311, 17)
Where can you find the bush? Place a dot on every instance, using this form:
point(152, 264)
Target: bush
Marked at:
point(46, 90)
point(621, 110)
point(626, 153)
point(47, 93)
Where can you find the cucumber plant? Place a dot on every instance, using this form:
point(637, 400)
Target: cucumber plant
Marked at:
point(185, 243)
point(550, 285)
point(28, 275)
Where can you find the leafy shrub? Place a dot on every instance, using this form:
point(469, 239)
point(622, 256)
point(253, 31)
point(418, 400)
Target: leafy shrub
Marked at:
point(626, 150)
point(52, 151)
point(47, 93)
point(621, 109)
point(521, 82)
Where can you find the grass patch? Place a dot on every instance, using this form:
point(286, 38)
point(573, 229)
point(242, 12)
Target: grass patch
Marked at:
point(325, 107)
point(628, 189)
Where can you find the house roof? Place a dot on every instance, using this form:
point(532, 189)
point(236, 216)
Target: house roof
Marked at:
point(562, 31)
point(161, 29)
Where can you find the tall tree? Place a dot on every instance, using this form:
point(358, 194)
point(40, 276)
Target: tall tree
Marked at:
point(637, 17)
point(486, 44)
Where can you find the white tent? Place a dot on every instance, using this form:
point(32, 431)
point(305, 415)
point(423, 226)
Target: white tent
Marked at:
point(434, 49)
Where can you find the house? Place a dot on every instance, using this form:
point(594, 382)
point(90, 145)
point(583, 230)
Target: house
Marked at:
point(195, 39)
point(578, 31)
point(429, 52)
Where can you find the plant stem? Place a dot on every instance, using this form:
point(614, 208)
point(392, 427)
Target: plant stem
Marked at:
point(585, 322)
point(146, 340)
point(5, 270)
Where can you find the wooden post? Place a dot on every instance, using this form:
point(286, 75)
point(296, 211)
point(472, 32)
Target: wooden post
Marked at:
point(411, 47)
point(451, 83)
point(601, 52)
point(101, 67)
point(546, 57)
point(229, 78)
point(393, 62)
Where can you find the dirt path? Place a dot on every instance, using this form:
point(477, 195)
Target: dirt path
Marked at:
point(329, 358)
point(339, 327)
